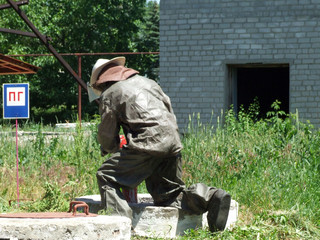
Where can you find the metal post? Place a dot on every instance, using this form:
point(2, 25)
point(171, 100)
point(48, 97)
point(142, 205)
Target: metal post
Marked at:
point(17, 163)
point(79, 90)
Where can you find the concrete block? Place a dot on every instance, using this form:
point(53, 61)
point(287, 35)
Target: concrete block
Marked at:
point(77, 228)
point(151, 221)
point(165, 222)
point(72, 125)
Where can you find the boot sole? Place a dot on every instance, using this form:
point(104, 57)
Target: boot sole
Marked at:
point(218, 213)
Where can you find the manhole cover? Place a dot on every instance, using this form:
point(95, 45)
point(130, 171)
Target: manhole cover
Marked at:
point(74, 205)
point(46, 215)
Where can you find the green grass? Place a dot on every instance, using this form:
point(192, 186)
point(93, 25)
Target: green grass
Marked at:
point(271, 168)
point(47, 163)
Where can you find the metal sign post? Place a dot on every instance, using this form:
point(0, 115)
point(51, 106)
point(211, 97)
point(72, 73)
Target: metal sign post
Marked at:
point(16, 105)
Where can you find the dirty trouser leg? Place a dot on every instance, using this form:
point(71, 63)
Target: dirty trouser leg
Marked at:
point(196, 198)
point(124, 169)
point(113, 200)
point(199, 198)
point(165, 183)
point(167, 188)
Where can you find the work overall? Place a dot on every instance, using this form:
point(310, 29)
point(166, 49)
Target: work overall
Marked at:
point(152, 153)
point(127, 169)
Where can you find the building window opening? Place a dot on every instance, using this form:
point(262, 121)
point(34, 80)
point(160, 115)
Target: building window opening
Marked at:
point(266, 84)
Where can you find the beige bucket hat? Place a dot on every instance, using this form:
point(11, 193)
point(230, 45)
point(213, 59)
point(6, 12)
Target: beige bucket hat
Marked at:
point(99, 65)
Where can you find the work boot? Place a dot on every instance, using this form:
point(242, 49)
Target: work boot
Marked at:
point(218, 210)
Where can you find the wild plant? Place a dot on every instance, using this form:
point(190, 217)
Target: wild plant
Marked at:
point(269, 165)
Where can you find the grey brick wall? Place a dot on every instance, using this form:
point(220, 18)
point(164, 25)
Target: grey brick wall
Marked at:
point(198, 38)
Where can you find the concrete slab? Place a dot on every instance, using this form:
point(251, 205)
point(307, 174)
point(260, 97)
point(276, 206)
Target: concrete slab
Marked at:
point(78, 228)
point(72, 125)
point(165, 222)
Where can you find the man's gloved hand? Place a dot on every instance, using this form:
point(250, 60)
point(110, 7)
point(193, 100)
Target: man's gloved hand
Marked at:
point(103, 152)
point(123, 141)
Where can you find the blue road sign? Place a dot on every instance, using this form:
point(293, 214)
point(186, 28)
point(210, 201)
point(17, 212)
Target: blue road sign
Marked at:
point(16, 100)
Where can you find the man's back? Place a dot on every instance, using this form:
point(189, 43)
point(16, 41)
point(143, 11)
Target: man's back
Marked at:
point(142, 109)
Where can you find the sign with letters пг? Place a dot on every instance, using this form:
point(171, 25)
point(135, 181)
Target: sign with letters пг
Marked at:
point(15, 100)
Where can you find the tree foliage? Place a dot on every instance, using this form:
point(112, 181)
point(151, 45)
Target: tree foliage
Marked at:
point(147, 40)
point(75, 26)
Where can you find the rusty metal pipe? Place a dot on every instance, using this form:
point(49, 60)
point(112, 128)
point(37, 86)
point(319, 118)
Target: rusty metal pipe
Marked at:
point(46, 43)
point(4, 6)
point(79, 91)
point(85, 54)
point(18, 32)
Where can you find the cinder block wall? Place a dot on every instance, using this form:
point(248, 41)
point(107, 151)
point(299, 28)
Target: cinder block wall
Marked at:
point(198, 38)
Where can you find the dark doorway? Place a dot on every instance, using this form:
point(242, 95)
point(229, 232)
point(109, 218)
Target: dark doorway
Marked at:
point(267, 84)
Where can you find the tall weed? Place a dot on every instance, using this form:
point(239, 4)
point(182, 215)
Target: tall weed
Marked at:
point(267, 165)
point(66, 160)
